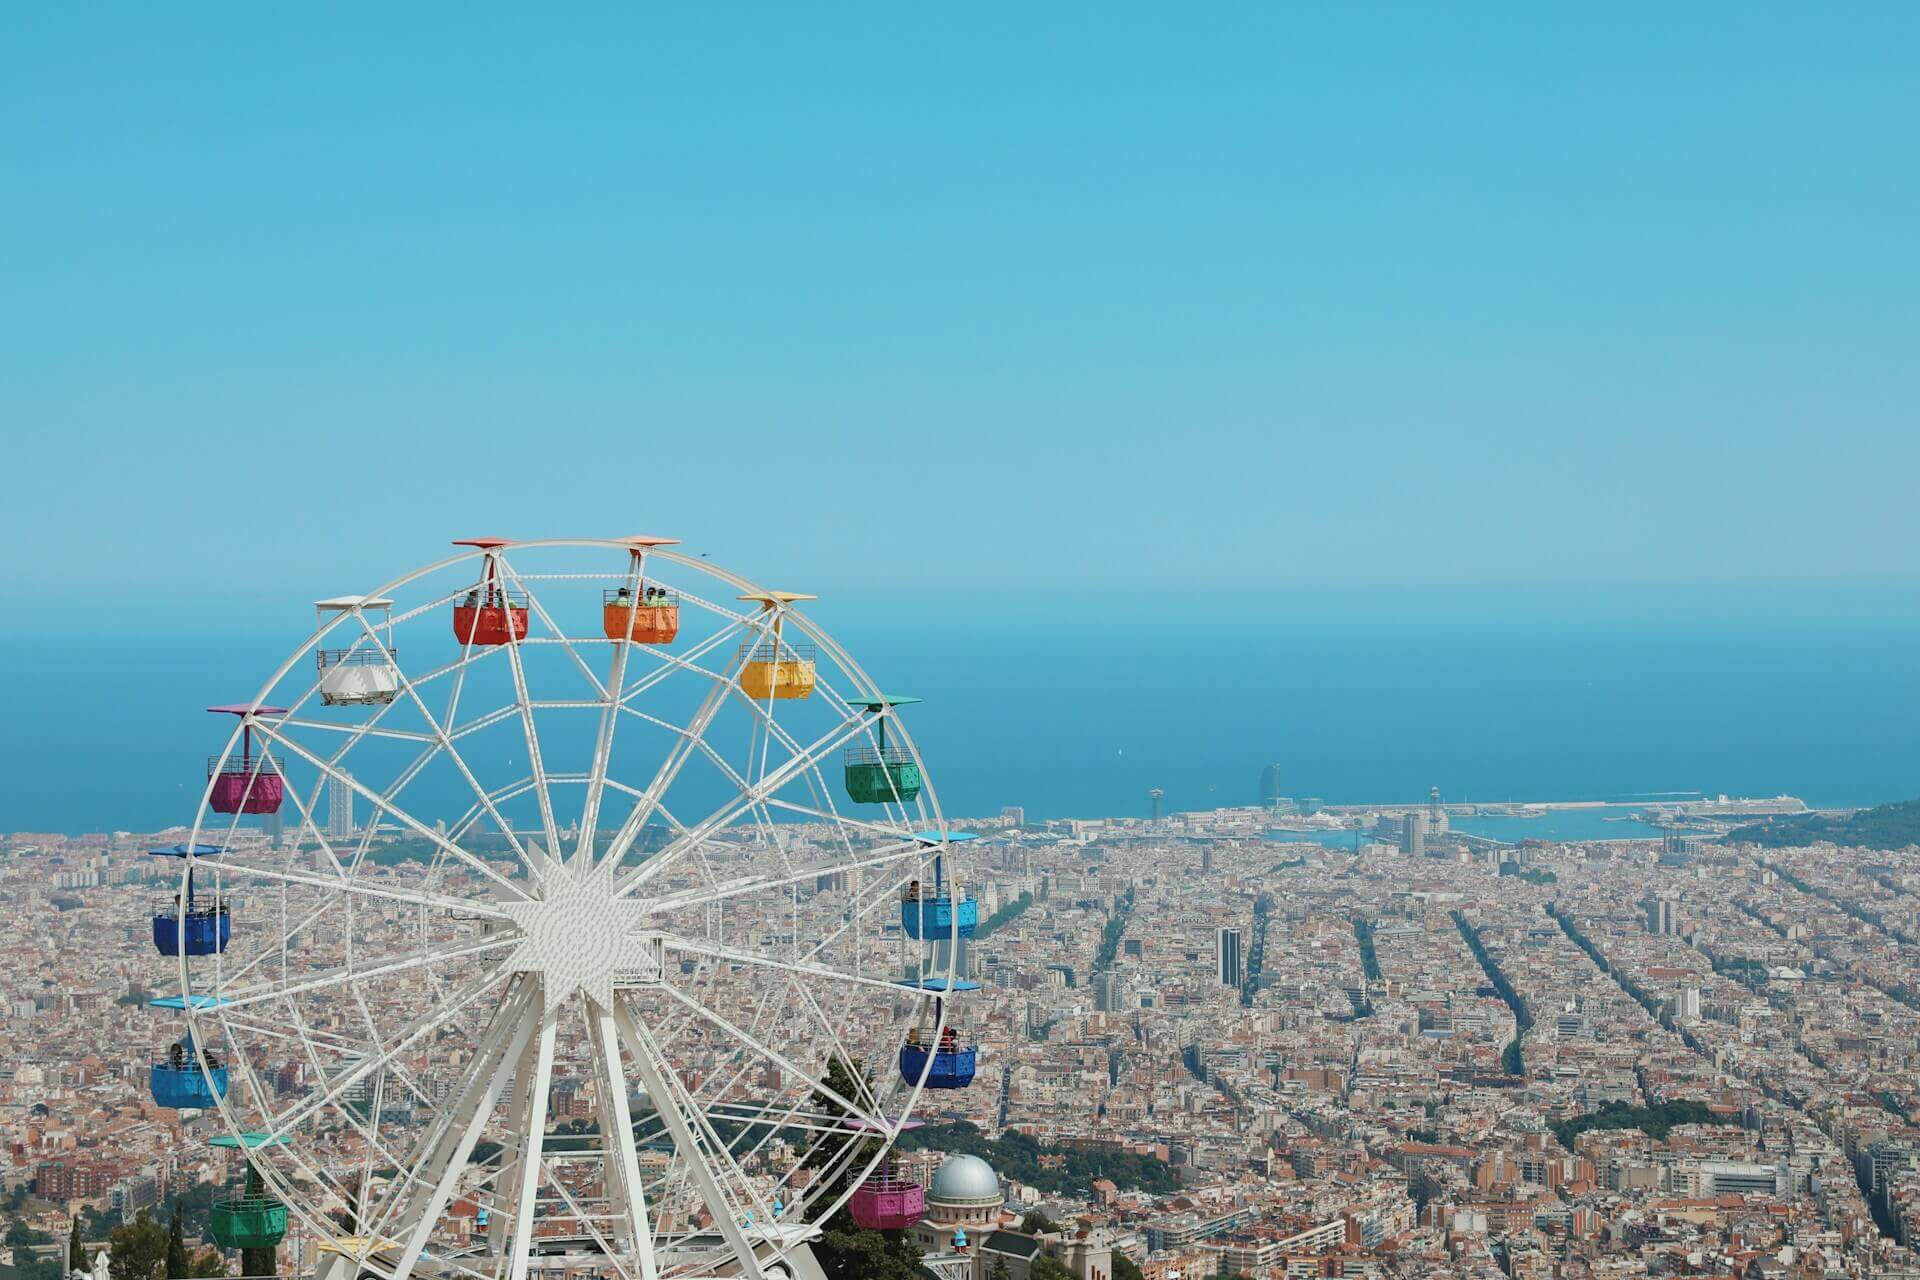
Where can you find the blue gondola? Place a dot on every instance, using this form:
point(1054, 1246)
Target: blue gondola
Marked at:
point(183, 1084)
point(928, 913)
point(948, 1070)
point(931, 919)
point(209, 923)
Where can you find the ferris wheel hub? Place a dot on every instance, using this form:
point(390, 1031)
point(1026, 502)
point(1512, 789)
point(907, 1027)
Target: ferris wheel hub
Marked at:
point(578, 936)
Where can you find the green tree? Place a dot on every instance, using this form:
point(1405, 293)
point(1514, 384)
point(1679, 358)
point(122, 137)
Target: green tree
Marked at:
point(76, 1255)
point(208, 1262)
point(139, 1249)
point(177, 1264)
point(845, 1250)
point(19, 1235)
point(998, 1271)
point(1037, 1223)
point(1125, 1268)
point(1047, 1267)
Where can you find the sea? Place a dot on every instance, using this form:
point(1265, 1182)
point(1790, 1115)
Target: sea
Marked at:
point(1072, 716)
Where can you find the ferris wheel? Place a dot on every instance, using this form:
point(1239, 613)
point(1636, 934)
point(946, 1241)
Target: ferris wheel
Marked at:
point(564, 905)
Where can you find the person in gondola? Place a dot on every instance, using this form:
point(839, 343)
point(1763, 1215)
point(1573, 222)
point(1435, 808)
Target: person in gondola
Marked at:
point(949, 1042)
point(623, 598)
point(913, 1037)
point(176, 1056)
point(473, 598)
point(913, 892)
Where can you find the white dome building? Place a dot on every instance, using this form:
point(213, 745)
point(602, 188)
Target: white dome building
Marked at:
point(964, 1195)
point(965, 1190)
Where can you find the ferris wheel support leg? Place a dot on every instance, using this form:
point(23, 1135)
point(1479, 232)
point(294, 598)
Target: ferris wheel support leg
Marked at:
point(526, 1174)
point(654, 1081)
point(500, 1047)
point(627, 1196)
point(505, 1183)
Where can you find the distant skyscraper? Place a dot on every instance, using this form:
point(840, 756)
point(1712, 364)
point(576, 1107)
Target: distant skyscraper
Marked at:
point(1015, 815)
point(1154, 795)
point(1270, 793)
point(340, 807)
point(275, 832)
point(1413, 835)
point(1226, 954)
point(1106, 989)
point(1436, 814)
point(1661, 916)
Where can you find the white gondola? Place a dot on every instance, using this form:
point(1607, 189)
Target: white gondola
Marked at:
point(361, 671)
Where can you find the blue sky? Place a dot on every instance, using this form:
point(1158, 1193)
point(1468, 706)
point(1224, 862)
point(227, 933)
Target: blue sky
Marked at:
point(1245, 298)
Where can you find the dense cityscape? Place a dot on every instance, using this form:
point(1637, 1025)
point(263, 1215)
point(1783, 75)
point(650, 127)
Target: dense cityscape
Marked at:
point(1253, 1041)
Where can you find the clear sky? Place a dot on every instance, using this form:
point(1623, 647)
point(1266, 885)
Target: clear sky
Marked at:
point(1244, 297)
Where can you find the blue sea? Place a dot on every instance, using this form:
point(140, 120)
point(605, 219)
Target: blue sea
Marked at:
point(1072, 717)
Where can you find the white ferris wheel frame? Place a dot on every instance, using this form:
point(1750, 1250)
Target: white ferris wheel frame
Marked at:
point(521, 1034)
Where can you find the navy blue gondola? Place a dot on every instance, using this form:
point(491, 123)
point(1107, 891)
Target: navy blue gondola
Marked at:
point(948, 1070)
point(209, 930)
point(209, 923)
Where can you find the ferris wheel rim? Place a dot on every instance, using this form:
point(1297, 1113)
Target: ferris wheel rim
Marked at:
point(843, 662)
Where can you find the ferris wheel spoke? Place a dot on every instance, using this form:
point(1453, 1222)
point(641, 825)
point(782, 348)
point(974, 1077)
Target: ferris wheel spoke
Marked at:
point(846, 822)
point(626, 1195)
point(394, 811)
point(342, 976)
point(731, 956)
point(539, 867)
point(661, 1088)
point(367, 888)
point(669, 769)
point(355, 731)
point(770, 1054)
point(283, 1125)
point(442, 735)
point(671, 662)
point(746, 885)
point(602, 757)
point(540, 611)
point(826, 744)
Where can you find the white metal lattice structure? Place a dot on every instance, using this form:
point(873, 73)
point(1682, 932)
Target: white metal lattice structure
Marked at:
point(571, 993)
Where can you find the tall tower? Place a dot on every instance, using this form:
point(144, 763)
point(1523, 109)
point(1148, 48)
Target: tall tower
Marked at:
point(1227, 955)
point(1270, 794)
point(340, 807)
point(1155, 794)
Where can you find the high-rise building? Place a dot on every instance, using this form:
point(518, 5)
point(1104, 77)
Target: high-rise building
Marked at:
point(1106, 991)
point(1226, 954)
point(1436, 814)
point(1154, 795)
point(1677, 849)
point(1270, 793)
point(340, 807)
point(1413, 835)
point(1015, 815)
point(1662, 918)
